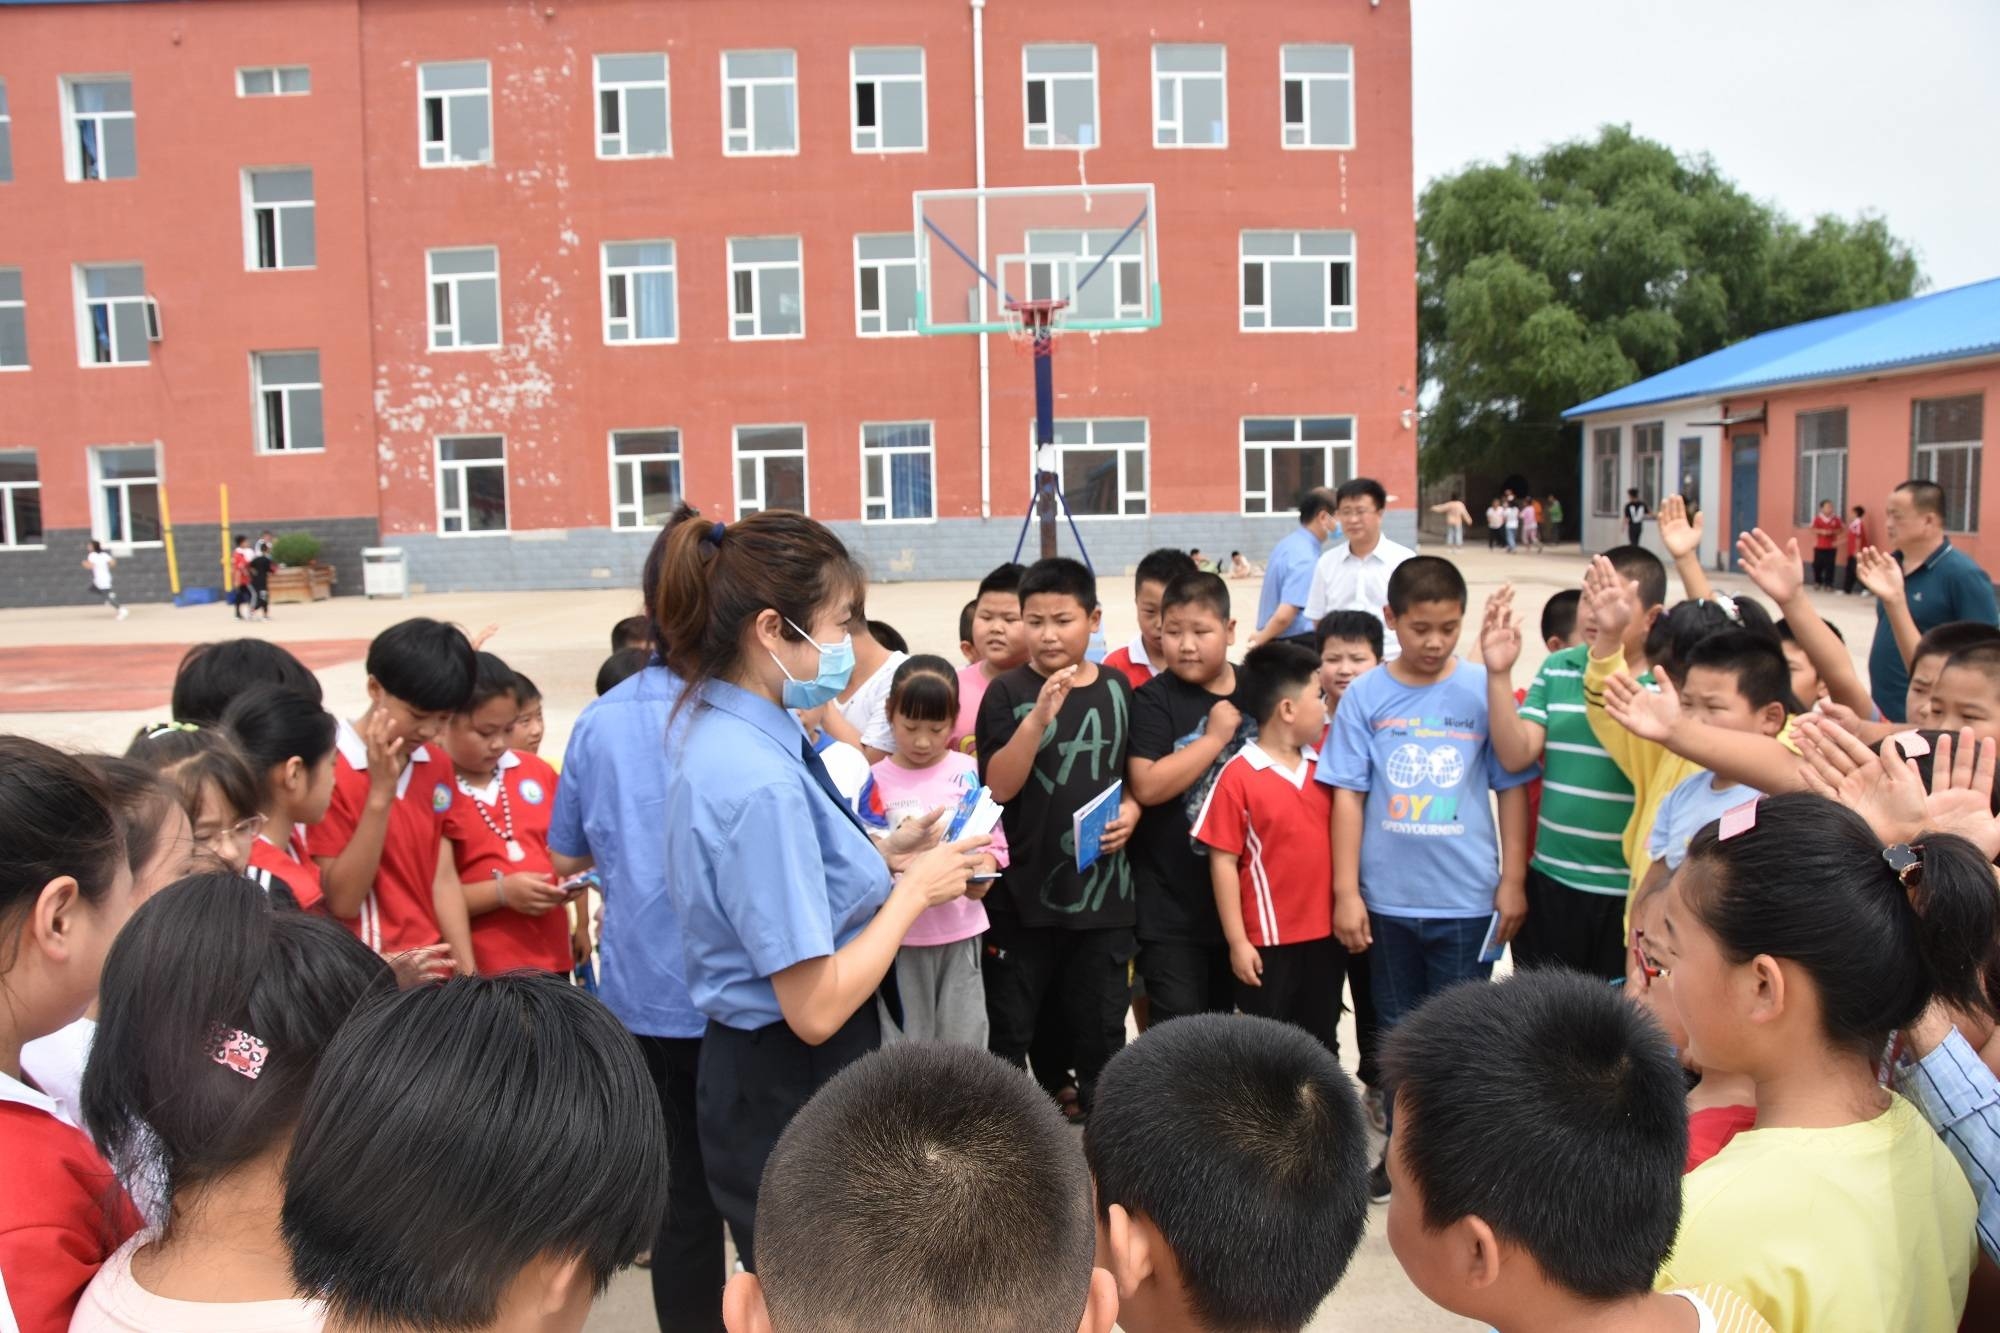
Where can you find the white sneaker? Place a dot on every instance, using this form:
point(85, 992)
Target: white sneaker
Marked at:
point(122, 613)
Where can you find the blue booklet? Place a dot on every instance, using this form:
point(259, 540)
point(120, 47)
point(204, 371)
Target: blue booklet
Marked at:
point(1089, 823)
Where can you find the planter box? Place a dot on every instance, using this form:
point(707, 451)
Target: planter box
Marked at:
point(314, 583)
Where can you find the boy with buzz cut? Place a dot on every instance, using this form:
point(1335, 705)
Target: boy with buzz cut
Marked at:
point(1937, 647)
point(1266, 824)
point(1417, 867)
point(1231, 1164)
point(998, 644)
point(1052, 737)
point(1182, 721)
point(1140, 660)
point(1540, 1139)
point(1968, 692)
point(926, 1187)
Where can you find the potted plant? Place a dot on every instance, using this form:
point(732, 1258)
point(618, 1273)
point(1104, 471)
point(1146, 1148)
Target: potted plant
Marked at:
point(299, 576)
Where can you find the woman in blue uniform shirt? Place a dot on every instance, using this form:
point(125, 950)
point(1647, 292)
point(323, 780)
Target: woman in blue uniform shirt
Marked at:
point(791, 918)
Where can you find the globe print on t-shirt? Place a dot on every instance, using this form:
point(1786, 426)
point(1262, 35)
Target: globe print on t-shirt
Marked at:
point(1408, 765)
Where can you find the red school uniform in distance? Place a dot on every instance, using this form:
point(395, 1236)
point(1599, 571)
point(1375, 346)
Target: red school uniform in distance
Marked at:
point(520, 802)
point(399, 912)
point(1131, 662)
point(62, 1212)
point(293, 865)
point(1279, 824)
point(1826, 530)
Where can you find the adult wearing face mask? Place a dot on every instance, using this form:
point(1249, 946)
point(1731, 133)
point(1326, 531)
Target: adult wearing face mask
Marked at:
point(793, 914)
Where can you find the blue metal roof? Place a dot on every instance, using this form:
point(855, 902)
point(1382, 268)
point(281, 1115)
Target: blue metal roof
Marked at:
point(1941, 326)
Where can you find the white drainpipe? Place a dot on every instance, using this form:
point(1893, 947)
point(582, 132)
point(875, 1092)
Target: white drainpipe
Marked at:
point(979, 179)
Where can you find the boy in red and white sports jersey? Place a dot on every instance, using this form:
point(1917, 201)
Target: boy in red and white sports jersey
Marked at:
point(498, 832)
point(378, 846)
point(1267, 825)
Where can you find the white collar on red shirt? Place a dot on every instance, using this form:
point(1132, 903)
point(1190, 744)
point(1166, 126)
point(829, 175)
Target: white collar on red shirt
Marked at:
point(355, 751)
point(1135, 651)
point(14, 1090)
point(489, 792)
point(1259, 759)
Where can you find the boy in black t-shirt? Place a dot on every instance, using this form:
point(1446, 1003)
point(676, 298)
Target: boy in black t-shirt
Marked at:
point(1052, 736)
point(1181, 721)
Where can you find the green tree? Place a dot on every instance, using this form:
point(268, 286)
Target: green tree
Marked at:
point(1558, 277)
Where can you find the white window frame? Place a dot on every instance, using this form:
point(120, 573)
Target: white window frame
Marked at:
point(1308, 93)
point(620, 87)
point(1925, 456)
point(755, 267)
point(433, 280)
point(86, 327)
point(854, 81)
point(736, 457)
point(463, 511)
point(1811, 466)
point(1178, 77)
point(252, 249)
point(9, 538)
point(885, 498)
point(73, 140)
point(1650, 459)
point(1607, 445)
point(1048, 82)
point(6, 136)
point(19, 303)
point(100, 526)
point(425, 143)
point(623, 275)
point(261, 393)
point(1352, 259)
point(632, 517)
point(750, 83)
point(277, 73)
point(1126, 494)
point(1330, 450)
point(881, 266)
point(1055, 274)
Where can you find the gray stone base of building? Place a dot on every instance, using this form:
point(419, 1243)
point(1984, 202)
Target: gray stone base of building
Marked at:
point(54, 575)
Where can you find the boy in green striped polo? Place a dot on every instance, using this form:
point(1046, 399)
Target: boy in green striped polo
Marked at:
point(1578, 876)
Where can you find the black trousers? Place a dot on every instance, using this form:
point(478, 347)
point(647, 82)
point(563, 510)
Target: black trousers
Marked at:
point(750, 1086)
point(1853, 575)
point(1088, 971)
point(1183, 979)
point(1823, 567)
point(1567, 927)
point(1367, 1027)
point(1301, 986)
point(1632, 532)
point(688, 1268)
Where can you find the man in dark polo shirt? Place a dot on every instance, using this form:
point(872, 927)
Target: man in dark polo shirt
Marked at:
point(1941, 584)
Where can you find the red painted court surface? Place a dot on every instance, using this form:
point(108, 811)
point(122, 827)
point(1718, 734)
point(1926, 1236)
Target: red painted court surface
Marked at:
point(78, 678)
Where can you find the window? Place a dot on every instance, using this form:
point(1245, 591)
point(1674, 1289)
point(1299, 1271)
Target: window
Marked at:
point(457, 113)
point(1606, 499)
point(6, 137)
point(888, 99)
point(770, 468)
point(274, 81)
point(885, 285)
point(1060, 91)
point(1190, 101)
point(20, 498)
point(645, 477)
point(125, 507)
point(1059, 262)
point(465, 297)
point(639, 292)
point(288, 402)
point(760, 103)
point(117, 317)
point(766, 288)
point(1284, 457)
point(472, 484)
point(1649, 451)
point(281, 220)
point(1945, 437)
point(1101, 466)
point(13, 321)
point(1298, 280)
point(99, 129)
point(1318, 96)
point(1822, 464)
point(898, 472)
point(632, 107)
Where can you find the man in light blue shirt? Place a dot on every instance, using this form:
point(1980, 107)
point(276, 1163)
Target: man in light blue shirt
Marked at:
point(1947, 1081)
point(1288, 576)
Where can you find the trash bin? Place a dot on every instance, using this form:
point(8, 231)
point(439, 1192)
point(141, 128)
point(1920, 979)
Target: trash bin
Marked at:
point(384, 572)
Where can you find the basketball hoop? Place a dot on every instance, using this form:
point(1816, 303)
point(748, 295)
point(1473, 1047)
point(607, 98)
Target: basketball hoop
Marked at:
point(1035, 325)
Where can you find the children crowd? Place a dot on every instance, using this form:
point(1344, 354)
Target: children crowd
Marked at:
point(309, 1022)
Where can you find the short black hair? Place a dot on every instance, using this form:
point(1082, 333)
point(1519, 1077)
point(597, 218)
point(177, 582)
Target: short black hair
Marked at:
point(965, 615)
point(1860, 510)
point(426, 663)
point(1359, 488)
point(1197, 588)
point(212, 674)
point(1313, 503)
point(492, 679)
point(272, 724)
point(1060, 576)
point(1636, 564)
point(928, 1186)
point(1271, 672)
point(620, 666)
point(525, 691)
point(457, 1132)
point(1425, 578)
point(1348, 627)
point(1675, 635)
point(1756, 661)
point(1162, 566)
point(1954, 637)
point(1632, 491)
point(1559, 614)
point(1242, 1140)
point(1785, 635)
point(1927, 496)
point(924, 689)
point(632, 632)
point(1002, 578)
point(888, 636)
point(1981, 657)
point(1555, 1111)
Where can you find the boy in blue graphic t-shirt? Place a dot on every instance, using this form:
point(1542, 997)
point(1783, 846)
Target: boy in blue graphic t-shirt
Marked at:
point(1419, 867)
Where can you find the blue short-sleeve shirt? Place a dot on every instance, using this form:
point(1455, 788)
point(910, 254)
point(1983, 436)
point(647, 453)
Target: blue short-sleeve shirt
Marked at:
point(1288, 580)
point(766, 869)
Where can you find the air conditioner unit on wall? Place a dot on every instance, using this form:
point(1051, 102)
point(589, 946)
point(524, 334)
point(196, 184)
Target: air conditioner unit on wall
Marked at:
point(153, 327)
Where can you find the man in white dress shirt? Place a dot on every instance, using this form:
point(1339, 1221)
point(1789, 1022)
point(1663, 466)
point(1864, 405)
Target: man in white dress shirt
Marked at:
point(1354, 576)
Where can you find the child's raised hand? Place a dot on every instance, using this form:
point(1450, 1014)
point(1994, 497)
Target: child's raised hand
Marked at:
point(414, 967)
point(1879, 573)
point(1883, 788)
point(1648, 714)
point(1500, 633)
point(1776, 570)
point(1961, 795)
point(1055, 691)
point(1223, 720)
point(385, 755)
point(1606, 593)
point(1247, 963)
point(1680, 531)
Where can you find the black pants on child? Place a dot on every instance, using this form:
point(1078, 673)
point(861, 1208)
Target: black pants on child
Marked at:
point(1571, 928)
point(1301, 986)
point(1823, 568)
point(1853, 575)
point(1183, 979)
point(1367, 1028)
point(687, 1254)
point(1088, 972)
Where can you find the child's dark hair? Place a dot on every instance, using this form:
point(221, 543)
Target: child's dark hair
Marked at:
point(1983, 658)
point(1952, 638)
point(965, 615)
point(632, 632)
point(1348, 627)
point(924, 689)
point(1785, 635)
point(1757, 662)
point(273, 725)
point(212, 674)
point(1197, 588)
point(60, 818)
point(888, 636)
point(1163, 566)
point(208, 955)
point(927, 1186)
point(1554, 1111)
point(540, 1134)
point(1559, 614)
point(1810, 882)
point(1675, 634)
point(1425, 578)
point(1636, 564)
point(1241, 1139)
point(1860, 511)
point(1003, 578)
point(526, 691)
point(619, 667)
point(141, 800)
point(493, 679)
point(192, 757)
point(1060, 576)
point(1271, 673)
point(426, 663)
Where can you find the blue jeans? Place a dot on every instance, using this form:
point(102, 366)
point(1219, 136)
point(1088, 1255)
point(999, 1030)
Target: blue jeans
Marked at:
point(1413, 958)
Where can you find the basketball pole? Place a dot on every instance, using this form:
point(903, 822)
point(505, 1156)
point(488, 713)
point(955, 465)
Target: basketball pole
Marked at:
point(1045, 436)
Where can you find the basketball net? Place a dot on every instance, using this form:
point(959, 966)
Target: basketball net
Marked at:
point(1035, 325)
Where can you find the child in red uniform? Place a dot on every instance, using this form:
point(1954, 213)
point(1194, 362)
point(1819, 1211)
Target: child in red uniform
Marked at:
point(378, 845)
point(1140, 659)
point(497, 829)
point(287, 739)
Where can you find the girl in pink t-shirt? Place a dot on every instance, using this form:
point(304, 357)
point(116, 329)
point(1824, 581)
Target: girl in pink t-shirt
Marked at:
point(937, 969)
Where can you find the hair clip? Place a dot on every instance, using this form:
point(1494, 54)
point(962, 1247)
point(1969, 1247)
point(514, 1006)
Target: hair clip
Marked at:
point(233, 1048)
point(1905, 860)
point(165, 728)
point(1728, 606)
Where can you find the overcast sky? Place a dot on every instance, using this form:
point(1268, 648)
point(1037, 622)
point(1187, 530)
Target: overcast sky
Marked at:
point(1817, 106)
